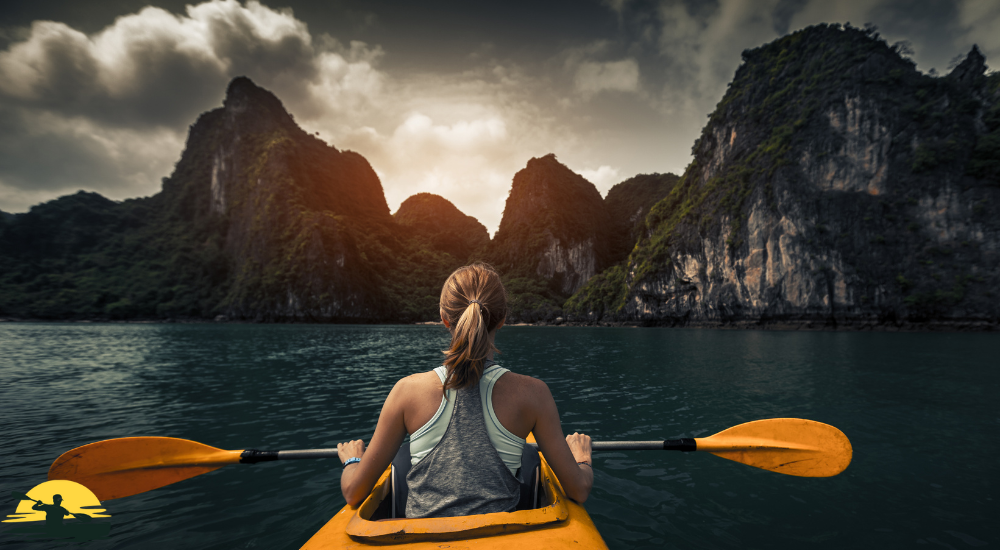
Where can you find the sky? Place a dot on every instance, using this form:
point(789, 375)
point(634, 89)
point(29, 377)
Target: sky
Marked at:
point(446, 97)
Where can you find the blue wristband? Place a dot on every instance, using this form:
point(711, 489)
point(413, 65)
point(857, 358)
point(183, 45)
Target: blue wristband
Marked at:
point(352, 460)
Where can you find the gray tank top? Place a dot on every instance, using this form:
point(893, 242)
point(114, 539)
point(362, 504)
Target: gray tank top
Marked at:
point(463, 475)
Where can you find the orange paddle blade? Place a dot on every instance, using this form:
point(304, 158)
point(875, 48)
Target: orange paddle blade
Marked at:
point(118, 468)
point(791, 446)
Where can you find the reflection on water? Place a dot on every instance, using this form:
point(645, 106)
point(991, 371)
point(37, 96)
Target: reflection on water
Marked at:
point(920, 410)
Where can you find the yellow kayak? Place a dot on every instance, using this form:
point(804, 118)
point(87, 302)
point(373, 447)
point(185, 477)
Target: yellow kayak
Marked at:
point(557, 522)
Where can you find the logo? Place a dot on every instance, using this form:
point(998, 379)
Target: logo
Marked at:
point(58, 509)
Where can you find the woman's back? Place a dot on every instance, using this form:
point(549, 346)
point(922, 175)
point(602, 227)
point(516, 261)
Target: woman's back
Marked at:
point(427, 436)
point(463, 474)
point(473, 308)
point(514, 397)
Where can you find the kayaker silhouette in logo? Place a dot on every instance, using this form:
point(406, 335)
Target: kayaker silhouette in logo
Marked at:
point(64, 518)
point(54, 513)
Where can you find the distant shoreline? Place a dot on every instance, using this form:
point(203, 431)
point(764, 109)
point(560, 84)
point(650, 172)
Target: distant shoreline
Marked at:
point(783, 325)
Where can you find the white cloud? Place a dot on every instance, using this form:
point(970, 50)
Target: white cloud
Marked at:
point(346, 87)
point(157, 68)
point(153, 67)
point(463, 162)
point(604, 177)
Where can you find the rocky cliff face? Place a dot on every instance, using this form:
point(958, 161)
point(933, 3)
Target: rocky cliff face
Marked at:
point(554, 227)
point(435, 220)
point(288, 208)
point(833, 184)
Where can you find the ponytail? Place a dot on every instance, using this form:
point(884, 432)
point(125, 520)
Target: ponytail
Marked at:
point(474, 302)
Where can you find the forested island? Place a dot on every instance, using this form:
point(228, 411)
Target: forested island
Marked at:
point(834, 185)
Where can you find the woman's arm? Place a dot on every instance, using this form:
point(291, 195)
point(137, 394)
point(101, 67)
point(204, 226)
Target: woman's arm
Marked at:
point(357, 480)
point(562, 454)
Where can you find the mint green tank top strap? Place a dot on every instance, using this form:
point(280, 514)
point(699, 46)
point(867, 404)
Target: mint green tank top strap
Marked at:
point(508, 445)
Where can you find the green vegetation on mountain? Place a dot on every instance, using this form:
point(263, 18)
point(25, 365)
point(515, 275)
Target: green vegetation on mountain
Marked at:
point(436, 238)
point(435, 222)
point(628, 204)
point(84, 256)
point(630, 201)
point(985, 159)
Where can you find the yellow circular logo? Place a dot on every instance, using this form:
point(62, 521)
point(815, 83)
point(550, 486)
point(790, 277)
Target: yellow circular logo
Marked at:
point(58, 509)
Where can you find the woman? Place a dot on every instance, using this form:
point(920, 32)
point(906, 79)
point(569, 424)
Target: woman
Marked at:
point(465, 445)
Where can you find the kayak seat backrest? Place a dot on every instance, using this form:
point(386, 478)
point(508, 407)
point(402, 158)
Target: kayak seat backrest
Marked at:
point(530, 483)
point(530, 465)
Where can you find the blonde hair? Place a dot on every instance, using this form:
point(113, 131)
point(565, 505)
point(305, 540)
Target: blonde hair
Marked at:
point(474, 303)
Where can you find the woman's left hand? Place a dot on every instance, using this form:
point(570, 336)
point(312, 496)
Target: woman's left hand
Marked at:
point(579, 445)
point(350, 449)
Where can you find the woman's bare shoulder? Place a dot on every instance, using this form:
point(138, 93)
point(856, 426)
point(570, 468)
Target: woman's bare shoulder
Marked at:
point(519, 401)
point(527, 386)
point(420, 380)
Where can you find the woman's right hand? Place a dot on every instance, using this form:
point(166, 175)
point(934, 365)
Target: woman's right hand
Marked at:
point(351, 449)
point(579, 445)
point(562, 452)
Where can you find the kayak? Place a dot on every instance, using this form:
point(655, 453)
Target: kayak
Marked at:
point(557, 522)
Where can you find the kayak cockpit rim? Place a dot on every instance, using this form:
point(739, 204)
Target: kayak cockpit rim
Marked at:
point(361, 528)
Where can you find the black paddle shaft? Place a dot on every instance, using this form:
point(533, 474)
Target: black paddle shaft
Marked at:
point(253, 456)
point(687, 445)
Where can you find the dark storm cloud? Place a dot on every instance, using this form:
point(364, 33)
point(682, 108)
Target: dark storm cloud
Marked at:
point(783, 13)
point(44, 161)
point(43, 156)
point(930, 26)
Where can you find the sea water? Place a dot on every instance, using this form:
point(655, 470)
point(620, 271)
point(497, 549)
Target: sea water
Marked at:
point(921, 410)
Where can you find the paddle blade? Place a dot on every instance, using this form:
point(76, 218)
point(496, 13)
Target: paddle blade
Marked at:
point(791, 446)
point(128, 466)
point(82, 517)
point(20, 496)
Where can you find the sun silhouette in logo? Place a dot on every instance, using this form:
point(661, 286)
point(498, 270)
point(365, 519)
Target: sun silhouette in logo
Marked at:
point(65, 508)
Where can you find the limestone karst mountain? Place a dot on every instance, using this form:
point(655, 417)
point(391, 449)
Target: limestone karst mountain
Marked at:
point(835, 184)
point(557, 232)
point(554, 226)
point(554, 236)
point(259, 221)
point(435, 220)
point(293, 211)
